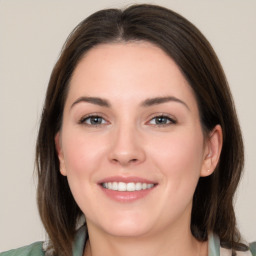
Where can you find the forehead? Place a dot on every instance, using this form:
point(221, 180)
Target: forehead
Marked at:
point(122, 70)
point(133, 58)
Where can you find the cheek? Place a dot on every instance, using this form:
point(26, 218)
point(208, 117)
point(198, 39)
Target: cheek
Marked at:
point(82, 153)
point(180, 157)
point(83, 156)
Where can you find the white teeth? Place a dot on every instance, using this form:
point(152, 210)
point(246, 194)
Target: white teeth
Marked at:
point(114, 186)
point(138, 186)
point(109, 185)
point(131, 186)
point(150, 186)
point(121, 186)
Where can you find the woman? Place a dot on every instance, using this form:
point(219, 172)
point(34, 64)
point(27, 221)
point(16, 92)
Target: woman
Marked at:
point(139, 135)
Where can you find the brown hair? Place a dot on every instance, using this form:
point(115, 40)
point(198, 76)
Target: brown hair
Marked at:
point(183, 42)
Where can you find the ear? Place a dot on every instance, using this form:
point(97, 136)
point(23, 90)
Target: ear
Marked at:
point(213, 146)
point(58, 147)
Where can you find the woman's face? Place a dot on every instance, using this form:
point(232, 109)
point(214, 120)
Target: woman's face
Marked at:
point(131, 143)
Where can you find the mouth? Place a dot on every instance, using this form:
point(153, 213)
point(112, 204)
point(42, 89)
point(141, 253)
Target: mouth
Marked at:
point(131, 186)
point(126, 189)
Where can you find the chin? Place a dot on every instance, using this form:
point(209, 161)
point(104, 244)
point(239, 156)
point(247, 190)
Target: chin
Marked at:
point(128, 230)
point(124, 226)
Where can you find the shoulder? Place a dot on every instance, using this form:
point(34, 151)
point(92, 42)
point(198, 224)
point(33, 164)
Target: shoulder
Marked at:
point(250, 252)
point(253, 248)
point(34, 249)
point(215, 249)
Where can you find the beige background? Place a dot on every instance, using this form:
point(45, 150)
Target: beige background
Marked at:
point(31, 36)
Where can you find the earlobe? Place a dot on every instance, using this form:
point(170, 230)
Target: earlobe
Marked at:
point(58, 147)
point(212, 151)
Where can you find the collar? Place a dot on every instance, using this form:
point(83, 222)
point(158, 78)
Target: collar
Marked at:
point(79, 243)
point(213, 245)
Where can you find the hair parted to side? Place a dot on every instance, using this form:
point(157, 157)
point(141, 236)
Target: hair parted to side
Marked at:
point(213, 199)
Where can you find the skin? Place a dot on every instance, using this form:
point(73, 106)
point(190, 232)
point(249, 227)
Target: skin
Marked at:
point(128, 141)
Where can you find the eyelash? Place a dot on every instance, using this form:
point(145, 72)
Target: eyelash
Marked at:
point(168, 119)
point(90, 117)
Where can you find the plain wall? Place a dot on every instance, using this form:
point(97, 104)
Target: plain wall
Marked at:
point(31, 36)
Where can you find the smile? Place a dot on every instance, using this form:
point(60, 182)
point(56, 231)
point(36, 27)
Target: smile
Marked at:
point(131, 186)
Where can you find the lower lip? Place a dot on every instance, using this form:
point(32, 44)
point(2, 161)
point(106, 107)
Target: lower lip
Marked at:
point(126, 196)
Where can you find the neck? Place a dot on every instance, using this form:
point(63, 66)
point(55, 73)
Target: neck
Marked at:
point(180, 242)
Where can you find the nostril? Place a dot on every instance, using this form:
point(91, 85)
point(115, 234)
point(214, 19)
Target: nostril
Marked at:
point(124, 161)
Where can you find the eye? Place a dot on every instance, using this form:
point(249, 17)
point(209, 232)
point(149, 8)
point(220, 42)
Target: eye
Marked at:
point(93, 120)
point(162, 120)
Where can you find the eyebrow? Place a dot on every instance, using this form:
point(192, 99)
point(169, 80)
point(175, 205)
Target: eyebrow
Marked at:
point(94, 100)
point(146, 103)
point(160, 100)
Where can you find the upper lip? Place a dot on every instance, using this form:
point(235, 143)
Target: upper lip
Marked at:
point(126, 180)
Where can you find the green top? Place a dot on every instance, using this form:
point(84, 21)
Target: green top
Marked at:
point(36, 249)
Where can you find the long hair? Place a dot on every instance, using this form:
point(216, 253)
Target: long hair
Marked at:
point(212, 209)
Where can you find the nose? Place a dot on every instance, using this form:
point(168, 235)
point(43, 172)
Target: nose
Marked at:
point(126, 147)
